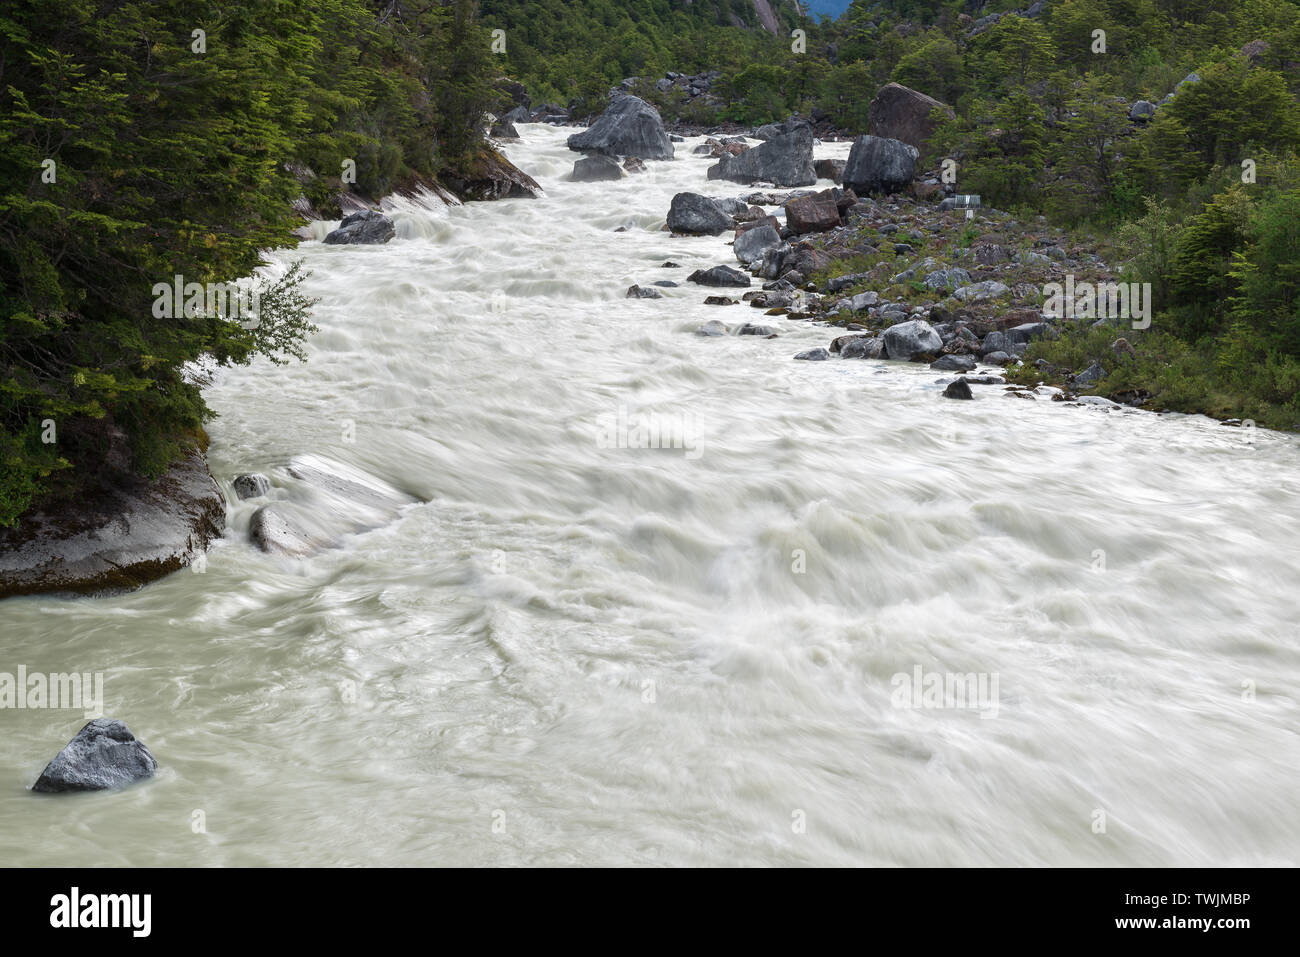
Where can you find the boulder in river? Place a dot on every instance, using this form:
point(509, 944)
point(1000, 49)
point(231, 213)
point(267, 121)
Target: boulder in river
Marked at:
point(367, 227)
point(697, 215)
point(629, 127)
point(719, 276)
point(785, 160)
point(251, 485)
point(641, 292)
point(879, 165)
point(596, 168)
point(863, 347)
point(954, 362)
point(901, 113)
point(124, 532)
point(814, 355)
point(958, 389)
point(103, 755)
point(910, 339)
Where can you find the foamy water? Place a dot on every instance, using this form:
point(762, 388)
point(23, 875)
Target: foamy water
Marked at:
point(580, 653)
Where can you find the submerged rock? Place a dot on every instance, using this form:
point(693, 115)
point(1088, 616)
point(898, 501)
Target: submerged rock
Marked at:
point(329, 500)
point(103, 755)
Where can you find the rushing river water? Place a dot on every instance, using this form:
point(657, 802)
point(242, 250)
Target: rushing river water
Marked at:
point(578, 653)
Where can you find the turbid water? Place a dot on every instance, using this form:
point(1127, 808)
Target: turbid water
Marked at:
point(578, 653)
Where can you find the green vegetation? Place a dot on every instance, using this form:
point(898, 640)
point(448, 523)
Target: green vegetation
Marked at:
point(139, 142)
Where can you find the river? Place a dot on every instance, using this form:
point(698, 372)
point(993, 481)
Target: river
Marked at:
point(574, 652)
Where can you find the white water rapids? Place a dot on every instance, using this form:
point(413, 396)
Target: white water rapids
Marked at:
point(573, 653)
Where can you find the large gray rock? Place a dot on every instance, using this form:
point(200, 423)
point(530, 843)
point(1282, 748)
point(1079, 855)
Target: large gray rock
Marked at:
point(367, 227)
point(912, 338)
point(982, 291)
point(754, 243)
point(879, 165)
point(103, 755)
point(996, 341)
point(866, 347)
point(947, 277)
point(719, 276)
point(901, 113)
point(954, 363)
point(596, 168)
point(1142, 110)
point(785, 160)
point(697, 215)
point(130, 532)
point(629, 127)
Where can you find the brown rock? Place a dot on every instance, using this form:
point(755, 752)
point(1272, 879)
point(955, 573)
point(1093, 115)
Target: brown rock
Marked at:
point(901, 113)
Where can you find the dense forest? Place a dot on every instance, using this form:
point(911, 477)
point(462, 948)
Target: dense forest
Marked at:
point(145, 141)
point(140, 142)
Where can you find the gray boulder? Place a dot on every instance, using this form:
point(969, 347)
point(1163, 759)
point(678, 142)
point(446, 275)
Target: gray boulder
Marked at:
point(367, 227)
point(912, 338)
point(996, 341)
point(1142, 110)
point(879, 165)
point(1090, 376)
point(954, 363)
point(785, 160)
point(754, 243)
point(252, 485)
point(865, 347)
point(629, 127)
point(958, 389)
point(719, 276)
point(947, 278)
point(814, 355)
point(103, 755)
point(697, 215)
point(596, 168)
point(641, 292)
